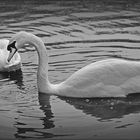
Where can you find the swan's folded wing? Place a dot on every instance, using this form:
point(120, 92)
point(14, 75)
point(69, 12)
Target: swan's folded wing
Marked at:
point(104, 76)
point(110, 71)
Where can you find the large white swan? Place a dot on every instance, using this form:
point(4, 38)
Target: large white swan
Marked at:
point(106, 78)
point(15, 62)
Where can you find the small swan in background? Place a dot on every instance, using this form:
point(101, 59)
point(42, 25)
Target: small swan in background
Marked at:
point(105, 78)
point(15, 62)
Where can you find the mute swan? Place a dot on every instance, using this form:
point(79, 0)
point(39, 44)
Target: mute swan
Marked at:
point(14, 64)
point(105, 78)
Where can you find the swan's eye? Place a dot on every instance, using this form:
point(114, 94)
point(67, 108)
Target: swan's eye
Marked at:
point(10, 46)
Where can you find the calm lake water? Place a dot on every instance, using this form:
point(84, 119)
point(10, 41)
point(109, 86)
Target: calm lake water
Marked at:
point(76, 33)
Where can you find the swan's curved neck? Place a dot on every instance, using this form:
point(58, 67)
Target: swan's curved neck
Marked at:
point(42, 73)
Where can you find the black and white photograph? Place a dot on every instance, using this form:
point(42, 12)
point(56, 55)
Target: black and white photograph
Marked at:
point(69, 69)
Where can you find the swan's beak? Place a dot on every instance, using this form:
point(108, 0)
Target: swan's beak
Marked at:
point(11, 54)
point(12, 48)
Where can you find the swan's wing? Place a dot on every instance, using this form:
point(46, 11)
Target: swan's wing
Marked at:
point(103, 76)
point(110, 71)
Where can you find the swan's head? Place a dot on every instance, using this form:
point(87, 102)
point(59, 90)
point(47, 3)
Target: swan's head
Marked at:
point(16, 42)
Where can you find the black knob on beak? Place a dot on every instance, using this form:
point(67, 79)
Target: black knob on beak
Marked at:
point(10, 46)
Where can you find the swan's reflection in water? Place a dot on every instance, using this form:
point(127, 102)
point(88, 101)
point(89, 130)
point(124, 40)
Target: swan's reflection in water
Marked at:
point(16, 76)
point(103, 109)
point(46, 121)
point(45, 106)
point(107, 108)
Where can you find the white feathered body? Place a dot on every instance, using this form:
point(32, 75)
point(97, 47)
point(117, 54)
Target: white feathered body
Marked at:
point(106, 78)
point(14, 64)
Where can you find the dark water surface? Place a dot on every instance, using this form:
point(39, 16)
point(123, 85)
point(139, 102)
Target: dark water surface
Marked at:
point(75, 33)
